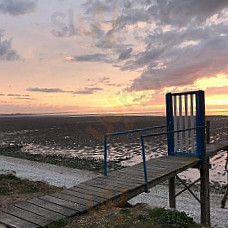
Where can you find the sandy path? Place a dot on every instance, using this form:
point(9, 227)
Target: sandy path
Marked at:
point(54, 175)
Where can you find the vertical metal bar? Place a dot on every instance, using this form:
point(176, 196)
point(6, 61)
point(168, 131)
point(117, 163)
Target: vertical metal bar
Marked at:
point(144, 164)
point(200, 123)
point(186, 124)
point(181, 124)
point(192, 125)
point(169, 119)
point(208, 131)
point(105, 155)
point(175, 124)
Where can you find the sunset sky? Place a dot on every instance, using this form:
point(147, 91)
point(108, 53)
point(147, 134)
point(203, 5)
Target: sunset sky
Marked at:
point(99, 56)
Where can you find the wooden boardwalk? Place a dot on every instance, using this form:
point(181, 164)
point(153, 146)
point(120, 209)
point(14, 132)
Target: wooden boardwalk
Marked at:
point(118, 187)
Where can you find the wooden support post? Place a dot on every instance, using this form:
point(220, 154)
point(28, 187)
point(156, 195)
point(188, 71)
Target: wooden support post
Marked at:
point(172, 193)
point(205, 193)
point(208, 126)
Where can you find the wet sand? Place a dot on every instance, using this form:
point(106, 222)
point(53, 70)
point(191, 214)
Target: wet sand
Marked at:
point(83, 137)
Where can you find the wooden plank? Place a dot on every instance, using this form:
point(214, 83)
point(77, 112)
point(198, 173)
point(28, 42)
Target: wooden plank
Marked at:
point(112, 187)
point(88, 191)
point(39, 211)
point(64, 203)
point(116, 184)
point(14, 222)
point(104, 193)
point(119, 181)
point(53, 207)
point(90, 196)
point(27, 216)
point(98, 188)
point(86, 203)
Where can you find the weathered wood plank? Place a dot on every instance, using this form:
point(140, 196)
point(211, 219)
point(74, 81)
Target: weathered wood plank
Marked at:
point(84, 196)
point(119, 181)
point(27, 216)
point(64, 203)
point(14, 222)
point(83, 202)
point(106, 193)
point(53, 207)
point(98, 188)
point(88, 191)
point(39, 211)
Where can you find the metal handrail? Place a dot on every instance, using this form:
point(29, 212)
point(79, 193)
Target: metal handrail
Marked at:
point(124, 133)
point(159, 134)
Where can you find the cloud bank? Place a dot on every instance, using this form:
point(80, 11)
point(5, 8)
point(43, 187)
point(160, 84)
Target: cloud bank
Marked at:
point(17, 7)
point(172, 43)
point(6, 51)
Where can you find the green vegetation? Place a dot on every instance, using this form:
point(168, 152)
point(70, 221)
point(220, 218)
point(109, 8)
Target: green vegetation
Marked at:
point(92, 164)
point(139, 216)
point(171, 218)
point(10, 183)
point(59, 224)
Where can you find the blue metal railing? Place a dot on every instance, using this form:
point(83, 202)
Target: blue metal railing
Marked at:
point(173, 153)
point(124, 133)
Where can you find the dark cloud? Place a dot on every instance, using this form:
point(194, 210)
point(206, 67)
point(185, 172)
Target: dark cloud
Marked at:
point(126, 54)
point(17, 7)
point(6, 51)
point(17, 95)
point(182, 12)
point(1, 94)
point(88, 90)
point(48, 90)
point(91, 58)
point(171, 43)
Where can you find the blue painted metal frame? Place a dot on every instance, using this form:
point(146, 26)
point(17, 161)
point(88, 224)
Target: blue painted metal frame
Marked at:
point(173, 153)
point(200, 121)
point(169, 121)
point(200, 131)
point(123, 133)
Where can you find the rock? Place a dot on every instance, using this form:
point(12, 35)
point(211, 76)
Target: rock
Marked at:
point(3, 226)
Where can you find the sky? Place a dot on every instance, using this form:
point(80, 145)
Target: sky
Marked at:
point(105, 56)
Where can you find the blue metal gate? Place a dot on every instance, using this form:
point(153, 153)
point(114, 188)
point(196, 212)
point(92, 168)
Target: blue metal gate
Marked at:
point(186, 123)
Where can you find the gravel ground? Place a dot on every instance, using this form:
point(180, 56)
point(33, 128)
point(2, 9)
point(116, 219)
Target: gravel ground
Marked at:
point(158, 196)
point(52, 174)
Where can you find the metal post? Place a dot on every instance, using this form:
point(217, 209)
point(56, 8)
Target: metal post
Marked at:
point(105, 155)
point(208, 131)
point(170, 125)
point(200, 123)
point(172, 193)
point(144, 165)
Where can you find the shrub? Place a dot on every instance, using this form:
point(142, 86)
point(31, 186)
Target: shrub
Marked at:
point(171, 218)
